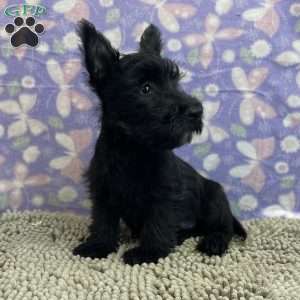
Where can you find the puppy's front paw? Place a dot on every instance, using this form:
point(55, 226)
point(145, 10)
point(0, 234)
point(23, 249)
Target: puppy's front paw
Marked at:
point(138, 256)
point(213, 244)
point(93, 249)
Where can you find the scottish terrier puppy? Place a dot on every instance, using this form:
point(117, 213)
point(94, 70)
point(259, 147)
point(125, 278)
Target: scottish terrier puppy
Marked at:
point(134, 174)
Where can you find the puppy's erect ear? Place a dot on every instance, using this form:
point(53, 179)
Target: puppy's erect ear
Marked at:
point(151, 40)
point(98, 54)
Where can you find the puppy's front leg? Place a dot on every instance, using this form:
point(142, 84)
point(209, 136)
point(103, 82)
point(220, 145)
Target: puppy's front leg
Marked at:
point(104, 234)
point(158, 237)
point(218, 225)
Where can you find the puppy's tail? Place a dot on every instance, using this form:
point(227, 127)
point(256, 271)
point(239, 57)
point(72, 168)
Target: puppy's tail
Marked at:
point(239, 229)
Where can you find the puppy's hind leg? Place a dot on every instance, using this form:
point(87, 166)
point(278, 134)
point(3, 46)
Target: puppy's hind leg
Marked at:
point(217, 222)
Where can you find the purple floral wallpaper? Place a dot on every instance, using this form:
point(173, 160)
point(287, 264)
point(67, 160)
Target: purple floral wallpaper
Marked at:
point(241, 59)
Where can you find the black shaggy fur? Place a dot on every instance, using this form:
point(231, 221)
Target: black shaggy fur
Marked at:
point(134, 174)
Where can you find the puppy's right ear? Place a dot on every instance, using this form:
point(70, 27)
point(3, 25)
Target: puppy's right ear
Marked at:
point(98, 54)
point(151, 40)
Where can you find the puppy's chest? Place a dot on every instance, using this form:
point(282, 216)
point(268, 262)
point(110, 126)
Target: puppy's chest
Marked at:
point(139, 186)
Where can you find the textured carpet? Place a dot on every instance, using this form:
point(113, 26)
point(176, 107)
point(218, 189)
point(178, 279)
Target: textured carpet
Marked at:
point(36, 263)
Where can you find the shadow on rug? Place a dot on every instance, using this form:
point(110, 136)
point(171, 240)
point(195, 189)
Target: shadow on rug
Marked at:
point(36, 263)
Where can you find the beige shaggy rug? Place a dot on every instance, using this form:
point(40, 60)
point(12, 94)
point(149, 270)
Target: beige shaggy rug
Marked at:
point(36, 263)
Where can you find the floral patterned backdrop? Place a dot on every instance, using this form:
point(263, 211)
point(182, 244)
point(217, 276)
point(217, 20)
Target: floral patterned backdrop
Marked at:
point(241, 59)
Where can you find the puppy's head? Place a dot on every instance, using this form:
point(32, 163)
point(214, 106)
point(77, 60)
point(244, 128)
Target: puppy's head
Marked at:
point(140, 92)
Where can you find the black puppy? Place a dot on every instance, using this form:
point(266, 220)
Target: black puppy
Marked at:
point(134, 175)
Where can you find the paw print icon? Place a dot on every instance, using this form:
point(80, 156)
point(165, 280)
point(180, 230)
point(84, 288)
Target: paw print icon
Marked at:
point(24, 32)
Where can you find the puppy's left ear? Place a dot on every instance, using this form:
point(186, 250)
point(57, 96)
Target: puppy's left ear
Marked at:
point(151, 40)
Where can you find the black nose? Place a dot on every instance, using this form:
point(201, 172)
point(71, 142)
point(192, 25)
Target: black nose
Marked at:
point(195, 112)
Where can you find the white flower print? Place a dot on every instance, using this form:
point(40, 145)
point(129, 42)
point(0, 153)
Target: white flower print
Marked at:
point(217, 134)
point(20, 110)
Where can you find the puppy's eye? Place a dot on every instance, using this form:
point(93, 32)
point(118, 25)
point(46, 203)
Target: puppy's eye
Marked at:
point(146, 89)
